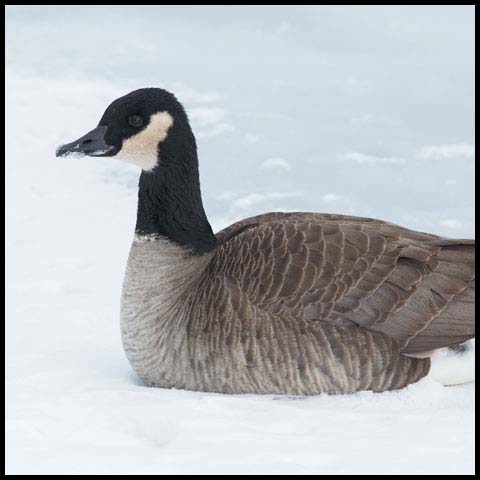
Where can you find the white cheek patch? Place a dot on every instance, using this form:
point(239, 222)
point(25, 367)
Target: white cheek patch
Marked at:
point(142, 149)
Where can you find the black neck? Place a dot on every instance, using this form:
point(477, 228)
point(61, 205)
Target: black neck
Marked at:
point(169, 198)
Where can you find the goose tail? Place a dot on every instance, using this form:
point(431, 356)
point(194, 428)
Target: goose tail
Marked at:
point(454, 280)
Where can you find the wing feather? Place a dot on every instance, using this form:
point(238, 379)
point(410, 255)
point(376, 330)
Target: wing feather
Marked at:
point(412, 286)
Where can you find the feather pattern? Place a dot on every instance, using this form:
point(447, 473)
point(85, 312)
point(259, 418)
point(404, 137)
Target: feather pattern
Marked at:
point(372, 273)
point(297, 303)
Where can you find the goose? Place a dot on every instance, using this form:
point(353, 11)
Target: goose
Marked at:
point(280, 303)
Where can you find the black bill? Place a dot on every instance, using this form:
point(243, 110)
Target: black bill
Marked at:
point(92, 144)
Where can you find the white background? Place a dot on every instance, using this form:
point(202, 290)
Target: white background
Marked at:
point(359, 110)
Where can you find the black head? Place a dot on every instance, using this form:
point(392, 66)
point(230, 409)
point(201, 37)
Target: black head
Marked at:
point(132, 128)
point(149, 127)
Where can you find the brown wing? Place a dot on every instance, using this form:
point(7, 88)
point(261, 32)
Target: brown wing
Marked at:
point(415, 287)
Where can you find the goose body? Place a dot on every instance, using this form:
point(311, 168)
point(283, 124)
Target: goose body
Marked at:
point(283, 303)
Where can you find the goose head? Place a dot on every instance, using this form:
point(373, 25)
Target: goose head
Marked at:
point(133, 128)
point(149, 128)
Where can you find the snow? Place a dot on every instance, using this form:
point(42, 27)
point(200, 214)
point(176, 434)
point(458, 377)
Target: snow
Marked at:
point(438, 152)
point(73, 404)
point(363, 158)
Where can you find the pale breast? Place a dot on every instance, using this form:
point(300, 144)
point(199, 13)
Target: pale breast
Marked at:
point(153, 329)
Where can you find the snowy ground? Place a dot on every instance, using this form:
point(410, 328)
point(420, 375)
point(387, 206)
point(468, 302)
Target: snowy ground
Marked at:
point(363, 111)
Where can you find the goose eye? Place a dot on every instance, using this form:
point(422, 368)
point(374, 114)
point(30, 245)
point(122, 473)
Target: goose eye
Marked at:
point(135, 121)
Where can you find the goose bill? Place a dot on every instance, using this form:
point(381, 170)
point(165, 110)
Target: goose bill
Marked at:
point(92, 144)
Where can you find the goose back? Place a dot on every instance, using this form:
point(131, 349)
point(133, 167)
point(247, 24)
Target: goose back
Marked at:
point(415, 287)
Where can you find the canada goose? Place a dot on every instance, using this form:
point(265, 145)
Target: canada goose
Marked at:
point(280, 303)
